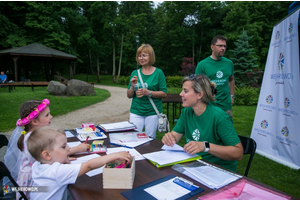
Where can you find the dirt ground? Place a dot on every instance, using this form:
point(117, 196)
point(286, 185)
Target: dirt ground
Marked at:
point(114, 109)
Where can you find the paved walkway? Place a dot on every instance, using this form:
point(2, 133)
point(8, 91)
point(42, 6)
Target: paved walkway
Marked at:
point(114, 109)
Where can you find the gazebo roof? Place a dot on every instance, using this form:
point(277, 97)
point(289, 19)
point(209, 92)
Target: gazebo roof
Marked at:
point(37, 50)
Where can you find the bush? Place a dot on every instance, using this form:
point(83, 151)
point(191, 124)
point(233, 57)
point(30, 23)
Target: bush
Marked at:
point(246, 95)
point(124, 80)
point(174, 81)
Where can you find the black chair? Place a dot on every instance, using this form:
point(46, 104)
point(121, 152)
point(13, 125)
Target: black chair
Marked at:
point(3, 169)
point(3, 141)
point(249, 146)
point(5, 172)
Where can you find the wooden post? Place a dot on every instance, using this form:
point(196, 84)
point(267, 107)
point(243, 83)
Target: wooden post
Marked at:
point(16, 68)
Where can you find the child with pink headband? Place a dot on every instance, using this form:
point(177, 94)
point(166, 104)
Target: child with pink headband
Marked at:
point(34, 114)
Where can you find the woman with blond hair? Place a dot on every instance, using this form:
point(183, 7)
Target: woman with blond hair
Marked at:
point(208, 130)
point(142, 113)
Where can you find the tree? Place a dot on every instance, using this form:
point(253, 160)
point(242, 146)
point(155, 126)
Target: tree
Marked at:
point(243, 60)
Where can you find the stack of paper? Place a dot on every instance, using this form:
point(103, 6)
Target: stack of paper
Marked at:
point(119, 126)
point(209, 175)
point(129, 139)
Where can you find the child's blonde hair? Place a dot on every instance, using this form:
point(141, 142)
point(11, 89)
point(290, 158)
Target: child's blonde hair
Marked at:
point(41, 139)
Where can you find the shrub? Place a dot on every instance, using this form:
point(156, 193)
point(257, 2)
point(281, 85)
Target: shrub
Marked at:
point(124, 80)
point(174, 81)
point(246, 95)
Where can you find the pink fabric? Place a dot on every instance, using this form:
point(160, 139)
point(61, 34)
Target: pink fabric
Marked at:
point(34, 114)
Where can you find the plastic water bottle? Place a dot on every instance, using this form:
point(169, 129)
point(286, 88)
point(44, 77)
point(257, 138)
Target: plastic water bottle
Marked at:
point(139, 86)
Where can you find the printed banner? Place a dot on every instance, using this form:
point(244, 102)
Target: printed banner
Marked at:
point(277, 120)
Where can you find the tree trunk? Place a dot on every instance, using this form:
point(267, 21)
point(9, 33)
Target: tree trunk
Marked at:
point(98, 69)
point(90, 56)
point(114, 58)
point(121, 51)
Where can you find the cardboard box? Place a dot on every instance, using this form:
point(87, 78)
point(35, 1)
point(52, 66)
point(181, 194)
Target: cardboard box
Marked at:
point(119, 178)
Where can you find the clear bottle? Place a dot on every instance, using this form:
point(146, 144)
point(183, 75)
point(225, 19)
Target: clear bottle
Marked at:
point(139, 86)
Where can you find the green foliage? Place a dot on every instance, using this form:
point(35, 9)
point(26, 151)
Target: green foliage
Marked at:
point(174, 81)
point(243, 60)
point(124, 80)
point(246, 95)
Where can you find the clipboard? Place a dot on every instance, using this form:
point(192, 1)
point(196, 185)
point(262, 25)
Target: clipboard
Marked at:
point(178, 162)
point(138, 193)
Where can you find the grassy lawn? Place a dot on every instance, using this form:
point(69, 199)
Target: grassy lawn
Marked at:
point(262, 169)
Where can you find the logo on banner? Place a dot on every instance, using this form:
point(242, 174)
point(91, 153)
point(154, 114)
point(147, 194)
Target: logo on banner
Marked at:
point(286, 102)
point(269, 99)
point(284, 138)
point(285, 131)
point(280, 61)
point(264, 124)
point(277, 35)
point(277, 41)
point(281, 76)
point(290, 27)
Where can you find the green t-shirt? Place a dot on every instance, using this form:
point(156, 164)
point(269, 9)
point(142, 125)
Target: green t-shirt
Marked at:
point(156, 82)
point(214, 126)
point(218, 71)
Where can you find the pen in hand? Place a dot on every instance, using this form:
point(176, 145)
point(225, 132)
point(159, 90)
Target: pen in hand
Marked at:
point(86, 139)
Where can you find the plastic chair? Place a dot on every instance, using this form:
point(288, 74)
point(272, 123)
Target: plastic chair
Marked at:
point(249, 146)
point(3, 141)
point(5, 172)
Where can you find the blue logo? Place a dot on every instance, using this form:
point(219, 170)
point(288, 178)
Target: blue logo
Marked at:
point(290, 28)
point(280, 61)
point(285, 131)
point(269, 99)
point(264, 124)
point(286, 102)
point(277, 35)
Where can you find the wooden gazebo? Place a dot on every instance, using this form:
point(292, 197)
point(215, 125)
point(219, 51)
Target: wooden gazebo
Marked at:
point(38, 52)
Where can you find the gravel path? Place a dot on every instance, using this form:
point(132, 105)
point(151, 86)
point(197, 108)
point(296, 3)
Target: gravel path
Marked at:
point(114, 109)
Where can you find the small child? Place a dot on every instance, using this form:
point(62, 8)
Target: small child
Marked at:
point(34, 114)
point(48, 145)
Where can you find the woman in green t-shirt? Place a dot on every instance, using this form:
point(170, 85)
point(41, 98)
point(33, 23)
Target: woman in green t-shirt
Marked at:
point(142, 112)
point(208, 130)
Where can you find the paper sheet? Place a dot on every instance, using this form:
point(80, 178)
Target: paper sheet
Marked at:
point(132, 152)
point(167, 190)
point(69, 134)
point(87, 158)
point(166, 157)
point(176, 147)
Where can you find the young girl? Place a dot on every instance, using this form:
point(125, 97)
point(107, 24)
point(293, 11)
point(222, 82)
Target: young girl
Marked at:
point(34, 114)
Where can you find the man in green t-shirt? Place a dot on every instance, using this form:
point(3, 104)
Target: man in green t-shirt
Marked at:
point(220, 71)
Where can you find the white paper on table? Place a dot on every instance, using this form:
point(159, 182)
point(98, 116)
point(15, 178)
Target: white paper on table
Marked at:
point(209, 176)
point(130, 144)
point(87, 158)
point(167, 190)
point(175, 147)
point(69, 134)
point(73, 144)
point(132, 152)
point(166, 157)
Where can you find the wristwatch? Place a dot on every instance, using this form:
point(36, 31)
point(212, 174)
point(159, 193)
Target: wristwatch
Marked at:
point(150, 94)
point(232, 96)
point(206, 144)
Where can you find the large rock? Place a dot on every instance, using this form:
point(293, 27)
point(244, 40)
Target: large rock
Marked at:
point(57, 88)
point(79, 88)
